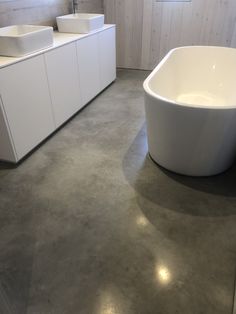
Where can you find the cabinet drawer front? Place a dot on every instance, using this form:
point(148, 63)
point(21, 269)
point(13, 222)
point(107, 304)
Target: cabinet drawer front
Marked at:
point(63, 78)
point(88, 60)
point(107, 53)
point(27, 103)
point(7, 151)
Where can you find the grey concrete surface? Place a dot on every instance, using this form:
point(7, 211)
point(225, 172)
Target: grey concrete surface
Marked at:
point(234, 307)
point(90, 225)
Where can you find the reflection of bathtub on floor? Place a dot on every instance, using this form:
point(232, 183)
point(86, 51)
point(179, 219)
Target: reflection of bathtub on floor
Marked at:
point(191, 110)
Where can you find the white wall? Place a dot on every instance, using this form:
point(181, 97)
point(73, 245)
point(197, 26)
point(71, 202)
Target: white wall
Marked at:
point(147, 30)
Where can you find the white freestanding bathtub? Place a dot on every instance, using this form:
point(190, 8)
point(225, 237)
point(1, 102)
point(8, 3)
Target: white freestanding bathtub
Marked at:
point(190, 102)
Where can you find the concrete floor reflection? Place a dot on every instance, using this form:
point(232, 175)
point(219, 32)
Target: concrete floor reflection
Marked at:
point(163, 275)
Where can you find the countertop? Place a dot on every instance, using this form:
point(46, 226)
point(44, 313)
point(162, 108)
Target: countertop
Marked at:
point(59, 39)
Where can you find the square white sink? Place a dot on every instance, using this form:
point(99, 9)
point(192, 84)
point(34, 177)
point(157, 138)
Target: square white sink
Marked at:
point(80, 23)
point(20, 40)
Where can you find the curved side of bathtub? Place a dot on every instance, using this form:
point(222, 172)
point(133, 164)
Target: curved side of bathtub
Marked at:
point(190, 140)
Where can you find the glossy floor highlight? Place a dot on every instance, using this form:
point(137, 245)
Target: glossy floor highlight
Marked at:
point(90, 225)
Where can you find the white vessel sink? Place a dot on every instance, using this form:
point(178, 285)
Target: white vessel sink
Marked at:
point(81, 23)
point(20, 40)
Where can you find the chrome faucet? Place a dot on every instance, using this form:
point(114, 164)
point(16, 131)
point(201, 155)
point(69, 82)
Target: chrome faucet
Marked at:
point(75, 6)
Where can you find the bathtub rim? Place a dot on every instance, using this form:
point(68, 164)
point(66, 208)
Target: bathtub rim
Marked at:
point(149, 91)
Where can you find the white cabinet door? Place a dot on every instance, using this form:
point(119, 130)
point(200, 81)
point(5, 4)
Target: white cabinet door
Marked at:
point(63, 78)
point(27, 104)
point(88, 60)
point(7, 151)
point(107, 56)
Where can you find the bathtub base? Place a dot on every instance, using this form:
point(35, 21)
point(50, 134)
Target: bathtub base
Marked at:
point(189, 173)
point(190, 141)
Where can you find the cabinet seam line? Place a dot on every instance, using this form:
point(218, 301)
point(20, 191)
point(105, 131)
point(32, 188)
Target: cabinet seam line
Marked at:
point(9, 129)
point(50, 94)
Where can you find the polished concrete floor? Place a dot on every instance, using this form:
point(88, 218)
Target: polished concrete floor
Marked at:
point(234, 311)
point(90, 225)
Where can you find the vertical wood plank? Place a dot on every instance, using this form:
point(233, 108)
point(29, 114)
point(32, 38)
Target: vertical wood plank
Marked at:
point(146, 33)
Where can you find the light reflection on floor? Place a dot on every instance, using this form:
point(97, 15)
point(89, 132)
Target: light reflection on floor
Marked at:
point(163, 274)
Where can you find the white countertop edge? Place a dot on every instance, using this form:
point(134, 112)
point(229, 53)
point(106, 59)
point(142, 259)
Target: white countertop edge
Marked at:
point(59, 39)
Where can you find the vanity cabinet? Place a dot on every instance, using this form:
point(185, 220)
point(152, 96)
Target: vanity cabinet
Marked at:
point(107, 57)
point(7, 149)
point(40, 92)
point(63, 80)
point(26, 106)
point(89, 68)
point(97, 63)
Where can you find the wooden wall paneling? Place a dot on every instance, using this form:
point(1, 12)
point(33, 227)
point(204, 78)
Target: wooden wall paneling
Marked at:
point(230, 16)
point(109, 8)
point(165, 29)
point(216, 26)
point(197, 20)
point(118, 10)
point(127, 15)
point(146, 33)
point(133, 14)
point(185, 37)
point(208, 20)
point(176, 25)
point(130, 58)
point(155, 46)
point(161, 26)
point(233, 39)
